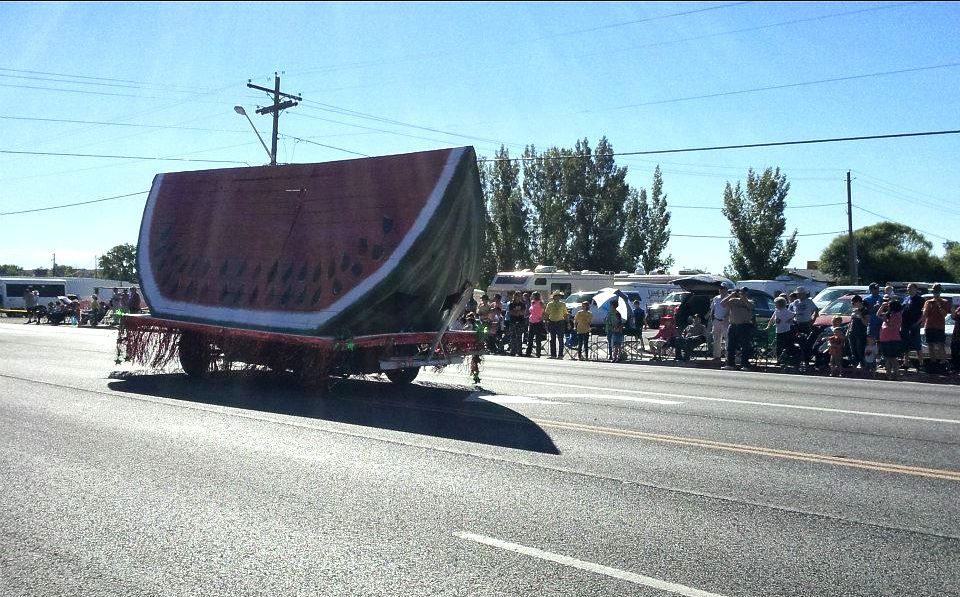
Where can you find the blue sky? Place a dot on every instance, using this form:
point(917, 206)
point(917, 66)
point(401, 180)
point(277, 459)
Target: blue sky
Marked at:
point(160, 81)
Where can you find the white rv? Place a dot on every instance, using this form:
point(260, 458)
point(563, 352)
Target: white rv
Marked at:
point(546, 279)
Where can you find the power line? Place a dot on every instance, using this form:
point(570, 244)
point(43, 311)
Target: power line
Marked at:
point(26, 211)
point(731, 237)
point(673, 206)
point(882, 217)
point(122, 124)
point(119, 157)
point(327, 146)
point(784, 86)
point(744, 146)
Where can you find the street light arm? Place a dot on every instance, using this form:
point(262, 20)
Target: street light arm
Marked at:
point(240, 110)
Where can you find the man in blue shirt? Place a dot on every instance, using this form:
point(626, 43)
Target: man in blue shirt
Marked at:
point(872, 302)
point(910, 326)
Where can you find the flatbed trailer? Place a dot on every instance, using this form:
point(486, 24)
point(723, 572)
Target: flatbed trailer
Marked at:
point(202, 348)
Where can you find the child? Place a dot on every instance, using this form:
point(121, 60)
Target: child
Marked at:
point(582, 322)
point(870, 354)
point(783, 319)
point(614, 328)
point(836, 347)
point(891, 313)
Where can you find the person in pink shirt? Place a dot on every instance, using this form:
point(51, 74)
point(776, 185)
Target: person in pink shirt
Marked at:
point(665, 338)
point(891, 314)
point(538, 330)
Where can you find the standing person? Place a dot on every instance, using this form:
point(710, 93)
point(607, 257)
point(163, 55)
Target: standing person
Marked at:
point(872, 303)
point(638, 316)
point(582, 322)
point(890, 313)
point(912, 314)
point(516, 323)
point(955, 341)
point(556, 315)
point(933, 318)
point(30, 304)
point(537, 331)
point(806, 313)
point(836, 340)
point(782, 319)
point(857, 332)
point(870, 355)
point(719, 322)
point(614, 325)
point(740, 335)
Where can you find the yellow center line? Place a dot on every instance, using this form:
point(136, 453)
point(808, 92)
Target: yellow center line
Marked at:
point(758, 450)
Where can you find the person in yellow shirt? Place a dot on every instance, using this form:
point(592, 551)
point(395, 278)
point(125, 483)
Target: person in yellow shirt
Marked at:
point(582, 322)
point(556, 316)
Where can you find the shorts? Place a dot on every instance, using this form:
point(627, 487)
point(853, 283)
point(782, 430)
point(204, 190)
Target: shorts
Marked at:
point(936, 336)
point(892, 349)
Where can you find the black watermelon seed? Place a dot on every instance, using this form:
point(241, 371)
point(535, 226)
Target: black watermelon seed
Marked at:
point(316, 273)
point(362, 246)
point(256, 272)
point(337, 287)
point(357, 269)
point(206, 268)
point(301, 297)
point(253, 294)
point(237, 295)
point(242, 268)
point(223, 293)
point(316, 296)
point(191, 289)
point(387, 225)
point(377, 252)
point(287, 273)
point(285, 297)
point(331, 268)
point(344, 262)
point(223, 267)
point(273, 272)
point(302, 275)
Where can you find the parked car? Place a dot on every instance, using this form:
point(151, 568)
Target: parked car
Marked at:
point(698, 291)
point(828, 295)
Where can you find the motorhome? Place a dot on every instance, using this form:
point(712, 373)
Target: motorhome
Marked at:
point(12, 288)
point(546, 279)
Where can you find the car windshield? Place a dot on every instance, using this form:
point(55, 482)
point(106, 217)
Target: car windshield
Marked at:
point(674, 297)
point(841, 306)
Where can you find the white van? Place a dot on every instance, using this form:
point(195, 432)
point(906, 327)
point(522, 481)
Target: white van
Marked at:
point(12, 287)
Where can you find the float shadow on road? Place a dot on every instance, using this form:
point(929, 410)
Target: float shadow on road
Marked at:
point(437, 410)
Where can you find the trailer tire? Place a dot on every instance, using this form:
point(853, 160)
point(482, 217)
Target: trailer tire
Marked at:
point(195, 355)
point(402, 377)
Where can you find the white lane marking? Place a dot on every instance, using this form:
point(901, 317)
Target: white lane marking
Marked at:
point(507, 399)
point(750, 402)
point(610, 397)
point(639, 579)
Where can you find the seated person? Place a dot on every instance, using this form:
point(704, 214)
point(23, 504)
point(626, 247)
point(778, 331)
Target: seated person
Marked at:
point(693, 336)
point(665, 338)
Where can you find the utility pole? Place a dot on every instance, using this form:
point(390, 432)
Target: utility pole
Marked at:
point(275, 110)
point(851, 243)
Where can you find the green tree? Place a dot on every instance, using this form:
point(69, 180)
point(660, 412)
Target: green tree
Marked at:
point(543, 192)
point(634, 240)
point(655, 222)
point(757, 224)
point(119, 263)
point(508, 235)
point(613, 195)
point(8, 269)
point(886, 251)
point(951, 260)
point(61, 271)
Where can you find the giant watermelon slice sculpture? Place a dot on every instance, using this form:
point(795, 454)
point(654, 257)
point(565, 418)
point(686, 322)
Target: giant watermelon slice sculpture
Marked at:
point(337, 249)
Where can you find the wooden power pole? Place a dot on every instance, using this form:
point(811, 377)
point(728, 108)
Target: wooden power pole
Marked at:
point(851, 242)
point(275, 110)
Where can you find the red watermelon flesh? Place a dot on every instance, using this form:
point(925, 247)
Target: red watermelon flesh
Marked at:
point(276, 246)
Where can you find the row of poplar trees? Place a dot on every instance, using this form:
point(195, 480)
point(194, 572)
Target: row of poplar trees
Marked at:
point(571, 208)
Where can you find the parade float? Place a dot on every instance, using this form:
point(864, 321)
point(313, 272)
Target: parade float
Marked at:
point(329, 269)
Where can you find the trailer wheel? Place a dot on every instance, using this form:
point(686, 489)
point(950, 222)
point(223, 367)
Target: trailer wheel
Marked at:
point(195, 354)
point(402, 377)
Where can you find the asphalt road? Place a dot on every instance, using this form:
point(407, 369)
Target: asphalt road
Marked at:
point(554, 478)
